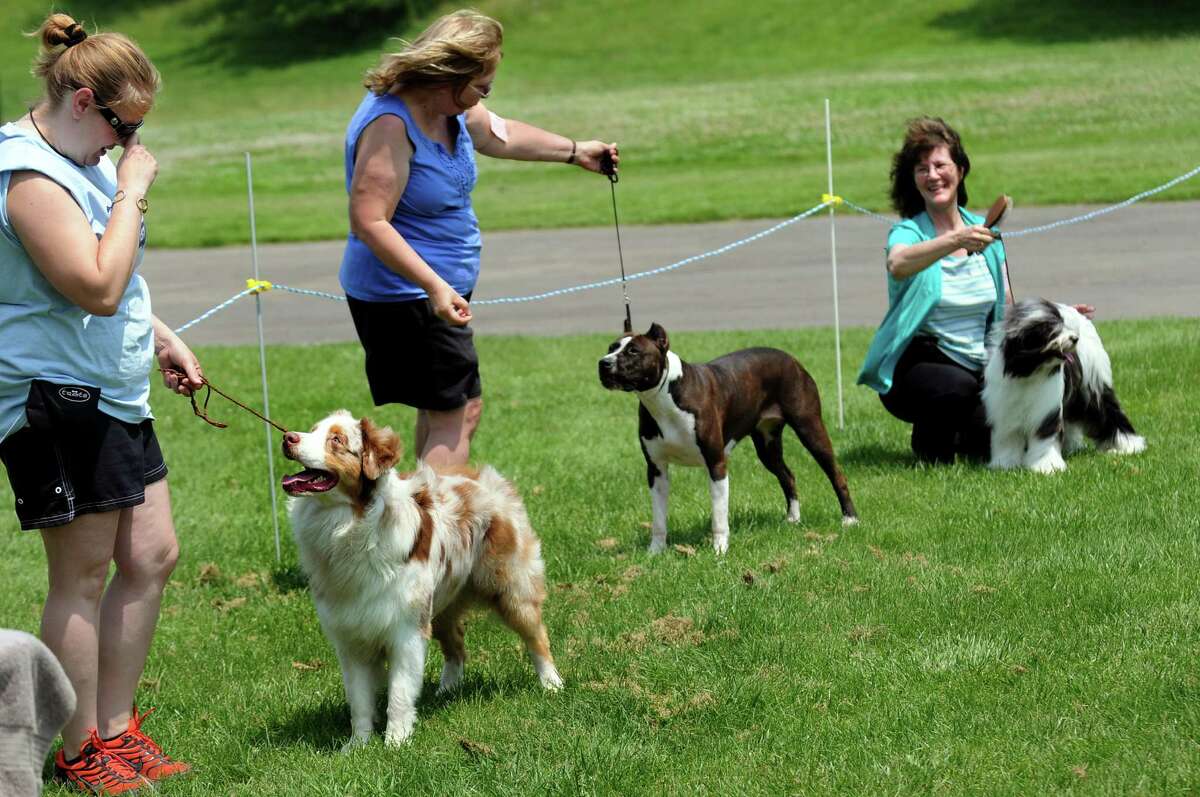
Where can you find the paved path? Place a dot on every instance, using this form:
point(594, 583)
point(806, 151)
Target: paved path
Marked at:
point(1139, 261)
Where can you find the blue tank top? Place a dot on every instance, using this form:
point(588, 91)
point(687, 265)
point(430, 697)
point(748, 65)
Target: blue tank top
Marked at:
point(43, 335)
point(434, 214)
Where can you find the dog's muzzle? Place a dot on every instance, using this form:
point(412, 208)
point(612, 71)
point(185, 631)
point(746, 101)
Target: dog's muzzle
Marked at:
point(612, 378)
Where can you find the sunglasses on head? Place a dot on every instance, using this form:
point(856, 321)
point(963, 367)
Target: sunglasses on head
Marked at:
point(123, 129)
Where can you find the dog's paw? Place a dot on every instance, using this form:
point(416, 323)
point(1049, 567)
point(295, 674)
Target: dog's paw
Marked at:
point(793, 512)
point(551, 680)
point(356, 741)
point(1047, 465)
point(1006, 461)
point(399, 732)
point(452, 673)
point(658, 544)
point(849, 520)
point(721, 543)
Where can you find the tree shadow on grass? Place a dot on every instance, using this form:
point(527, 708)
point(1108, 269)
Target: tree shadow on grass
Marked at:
point(1066, 21)
point(265, 33)
point(95, 15)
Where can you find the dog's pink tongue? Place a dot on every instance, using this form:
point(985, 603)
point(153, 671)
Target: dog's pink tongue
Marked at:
point(309, 480)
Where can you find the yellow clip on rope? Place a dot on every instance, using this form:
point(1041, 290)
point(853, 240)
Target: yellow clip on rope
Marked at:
point(258, 286)
point(831, 199)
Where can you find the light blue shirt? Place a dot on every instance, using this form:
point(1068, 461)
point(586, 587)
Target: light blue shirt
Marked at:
point(434, 214)
point(959, 319)
point(43, 335)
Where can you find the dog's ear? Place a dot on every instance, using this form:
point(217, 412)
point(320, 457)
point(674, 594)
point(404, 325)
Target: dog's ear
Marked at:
point(381, 449)
point(659, 335)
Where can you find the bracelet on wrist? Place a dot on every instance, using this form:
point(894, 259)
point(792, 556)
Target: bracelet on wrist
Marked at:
point(141, 203)
point(571, 157)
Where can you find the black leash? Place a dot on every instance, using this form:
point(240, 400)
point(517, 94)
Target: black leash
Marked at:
point(607, 168)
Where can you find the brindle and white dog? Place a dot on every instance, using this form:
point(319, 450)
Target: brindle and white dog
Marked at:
point(393, 560)
point(695, 414)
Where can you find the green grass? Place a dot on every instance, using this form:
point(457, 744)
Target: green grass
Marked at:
point(718, 108)
point(979, 632)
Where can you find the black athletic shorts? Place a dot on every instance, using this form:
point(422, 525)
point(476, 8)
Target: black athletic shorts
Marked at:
point(414, 357)
point(100, 467)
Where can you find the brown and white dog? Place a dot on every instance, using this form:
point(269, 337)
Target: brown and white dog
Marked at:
point(393, 560)
point(695, 414)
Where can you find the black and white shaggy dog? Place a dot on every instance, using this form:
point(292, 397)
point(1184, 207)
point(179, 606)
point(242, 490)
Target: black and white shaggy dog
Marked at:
point(1047, 384)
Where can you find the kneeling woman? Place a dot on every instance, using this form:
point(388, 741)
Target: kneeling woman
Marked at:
point(946, 277)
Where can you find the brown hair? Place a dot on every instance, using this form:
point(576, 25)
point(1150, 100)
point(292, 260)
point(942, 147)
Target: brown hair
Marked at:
point(924, 134)
point(109, 64)
point(452, 51)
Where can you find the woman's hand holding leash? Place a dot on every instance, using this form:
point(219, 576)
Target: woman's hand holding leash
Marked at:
point(180, 368)
point(590, 155)
point(975, 238)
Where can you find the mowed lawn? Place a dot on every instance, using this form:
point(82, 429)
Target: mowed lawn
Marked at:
point(978, 633)
point(717, 106)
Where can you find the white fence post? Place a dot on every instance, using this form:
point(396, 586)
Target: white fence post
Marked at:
point(262, 359)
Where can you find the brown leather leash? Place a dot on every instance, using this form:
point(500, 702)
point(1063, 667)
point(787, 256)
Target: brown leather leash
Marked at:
point(202, 413)
point(996, 214)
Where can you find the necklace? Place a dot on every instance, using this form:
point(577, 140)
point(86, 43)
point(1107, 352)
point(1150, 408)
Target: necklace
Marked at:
point(43, 136)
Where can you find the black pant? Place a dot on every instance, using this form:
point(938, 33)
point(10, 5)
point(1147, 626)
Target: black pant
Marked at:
point(942, 400)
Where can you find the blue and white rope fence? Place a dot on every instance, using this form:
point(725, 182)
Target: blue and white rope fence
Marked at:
point(827, 200)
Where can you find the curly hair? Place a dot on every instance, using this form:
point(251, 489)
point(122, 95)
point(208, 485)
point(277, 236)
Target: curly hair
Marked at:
point(924, 134)
point(109, 64)
point(452, 51)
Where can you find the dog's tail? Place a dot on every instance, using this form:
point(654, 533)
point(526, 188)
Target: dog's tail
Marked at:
point(490, 478)
point(507, 500)
point(1114, 432)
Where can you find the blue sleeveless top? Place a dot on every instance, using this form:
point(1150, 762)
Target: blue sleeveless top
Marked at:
point(434, 214)
point(44, 334)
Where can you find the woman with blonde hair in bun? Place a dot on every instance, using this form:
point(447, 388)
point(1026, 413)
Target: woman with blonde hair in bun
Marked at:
point(76, 432)
point(412, 257)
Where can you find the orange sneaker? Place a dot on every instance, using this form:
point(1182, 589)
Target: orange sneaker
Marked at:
point(97, 770)
point(142, 753)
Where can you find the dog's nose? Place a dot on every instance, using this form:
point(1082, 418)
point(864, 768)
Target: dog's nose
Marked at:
point(1074, 339)
point(291, 438)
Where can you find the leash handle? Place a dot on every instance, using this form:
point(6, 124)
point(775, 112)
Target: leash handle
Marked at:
point(995, 215)
point(607, 168)
point(998, 211)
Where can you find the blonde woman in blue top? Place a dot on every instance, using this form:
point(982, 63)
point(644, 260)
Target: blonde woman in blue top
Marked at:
point(79, 342)
point(412, 256)
point(947, 285)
